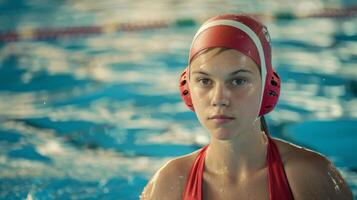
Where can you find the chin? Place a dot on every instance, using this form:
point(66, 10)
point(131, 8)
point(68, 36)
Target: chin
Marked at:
point(223, 134)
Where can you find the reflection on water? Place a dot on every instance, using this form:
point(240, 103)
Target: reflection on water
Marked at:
point(94, 117)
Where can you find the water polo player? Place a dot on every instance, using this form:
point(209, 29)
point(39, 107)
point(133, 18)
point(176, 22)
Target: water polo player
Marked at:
point(230, 84)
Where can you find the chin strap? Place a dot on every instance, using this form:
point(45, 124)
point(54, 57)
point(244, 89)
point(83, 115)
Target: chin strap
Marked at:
point(264, 126)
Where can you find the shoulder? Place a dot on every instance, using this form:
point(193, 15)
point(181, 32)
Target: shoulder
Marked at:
point(169, 181)
point(311, 175)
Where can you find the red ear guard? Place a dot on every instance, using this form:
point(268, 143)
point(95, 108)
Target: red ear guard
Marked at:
point(271, 93)
point(270, 98)
point(185, 90)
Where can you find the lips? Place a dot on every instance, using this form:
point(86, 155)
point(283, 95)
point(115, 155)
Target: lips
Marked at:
point(221, 118)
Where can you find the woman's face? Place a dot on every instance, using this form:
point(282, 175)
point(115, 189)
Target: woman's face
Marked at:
point(225, 90)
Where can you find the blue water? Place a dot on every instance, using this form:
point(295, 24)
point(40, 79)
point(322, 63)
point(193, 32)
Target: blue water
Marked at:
point(93, 117)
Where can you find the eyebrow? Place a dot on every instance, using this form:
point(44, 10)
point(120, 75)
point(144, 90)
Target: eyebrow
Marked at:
point(231, 74)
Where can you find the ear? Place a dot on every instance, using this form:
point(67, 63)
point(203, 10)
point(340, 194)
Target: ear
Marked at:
point(185, 90)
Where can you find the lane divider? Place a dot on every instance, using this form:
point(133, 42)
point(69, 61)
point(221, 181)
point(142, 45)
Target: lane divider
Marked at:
point(56, 33)
point(53, 33)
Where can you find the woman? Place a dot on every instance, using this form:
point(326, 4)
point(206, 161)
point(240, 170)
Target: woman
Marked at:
point(230, 84)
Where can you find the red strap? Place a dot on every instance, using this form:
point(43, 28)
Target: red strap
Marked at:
point(278, 182)
point(193, 189)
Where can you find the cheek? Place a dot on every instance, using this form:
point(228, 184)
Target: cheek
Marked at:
point(199, 97)
point(250, 95)
point(247, 101)
point(200, 103)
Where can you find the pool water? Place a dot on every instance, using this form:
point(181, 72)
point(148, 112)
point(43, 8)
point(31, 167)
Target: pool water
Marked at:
point(94, 116)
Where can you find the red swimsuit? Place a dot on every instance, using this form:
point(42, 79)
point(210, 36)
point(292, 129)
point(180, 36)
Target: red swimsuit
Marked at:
point(278, 183)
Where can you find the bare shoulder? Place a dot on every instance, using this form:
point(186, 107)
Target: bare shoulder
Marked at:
point(169, 181)
point(311, 175)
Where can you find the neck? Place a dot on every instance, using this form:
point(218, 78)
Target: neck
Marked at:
point(240, 156)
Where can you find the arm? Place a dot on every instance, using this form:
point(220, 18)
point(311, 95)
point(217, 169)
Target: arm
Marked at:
point(167, 183)
point(147, 192)
point(314, 177)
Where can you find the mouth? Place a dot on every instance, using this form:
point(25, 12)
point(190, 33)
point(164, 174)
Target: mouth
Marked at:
point(221, 118)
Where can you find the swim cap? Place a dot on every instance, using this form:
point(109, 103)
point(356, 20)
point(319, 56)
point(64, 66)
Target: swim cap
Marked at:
point(246, 35)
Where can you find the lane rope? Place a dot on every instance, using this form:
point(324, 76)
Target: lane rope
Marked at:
point(57, 33)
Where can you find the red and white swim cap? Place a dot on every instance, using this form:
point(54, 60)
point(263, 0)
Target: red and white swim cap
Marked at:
point(246, 35)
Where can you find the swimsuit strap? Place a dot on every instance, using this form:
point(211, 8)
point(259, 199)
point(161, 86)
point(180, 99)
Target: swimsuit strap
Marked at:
point(279, 188)
point(193, 189)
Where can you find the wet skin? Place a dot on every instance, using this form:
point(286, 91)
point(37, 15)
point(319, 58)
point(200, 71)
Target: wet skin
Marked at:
point(225, 90)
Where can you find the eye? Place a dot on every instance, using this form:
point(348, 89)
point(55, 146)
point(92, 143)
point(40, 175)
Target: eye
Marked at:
point(238, 81)
point(204, 82)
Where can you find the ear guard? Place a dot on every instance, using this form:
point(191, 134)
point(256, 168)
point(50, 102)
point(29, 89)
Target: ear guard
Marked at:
point(185, 90)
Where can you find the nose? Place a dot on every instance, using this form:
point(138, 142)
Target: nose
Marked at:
point(220, 96)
